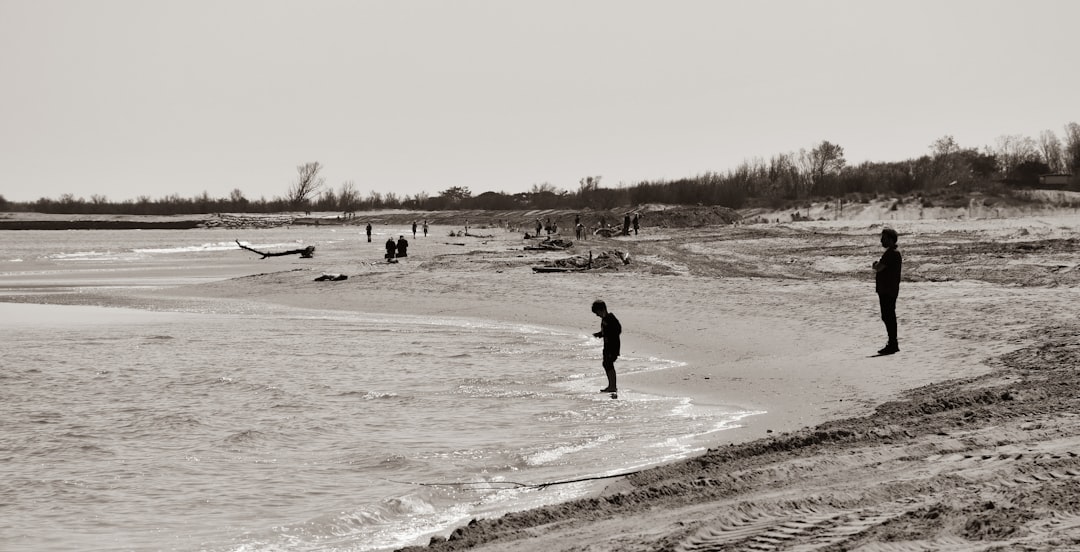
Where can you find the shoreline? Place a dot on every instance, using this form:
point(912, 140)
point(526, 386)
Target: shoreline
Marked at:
point(780, 318)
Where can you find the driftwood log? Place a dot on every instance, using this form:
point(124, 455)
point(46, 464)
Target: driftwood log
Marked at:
point(612, 259)
point(550, 244)
point(306, 253)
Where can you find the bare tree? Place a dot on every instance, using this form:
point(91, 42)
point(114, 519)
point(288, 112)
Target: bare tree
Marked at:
point(826, 159)
point(1071, 150)
point(308, 184)
point(545, 187)
point(349, 196)
point(783, 175)
point(374, 200)
point(1013, 149)
point(589, 184)
point(944, 146)
point(1052, 153)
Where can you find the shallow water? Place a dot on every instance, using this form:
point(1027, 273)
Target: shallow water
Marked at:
point(238, 426)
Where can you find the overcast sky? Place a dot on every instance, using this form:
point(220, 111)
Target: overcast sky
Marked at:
point(129, 98)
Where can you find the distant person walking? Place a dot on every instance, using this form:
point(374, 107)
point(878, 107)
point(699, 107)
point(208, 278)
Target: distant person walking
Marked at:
point(425, 228)
point(402, 247)
point(369, 232)
point(414, 229)
point(887, 285)
point(610, 330)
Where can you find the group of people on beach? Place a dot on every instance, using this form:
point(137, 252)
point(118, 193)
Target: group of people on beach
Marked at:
point(886, 284)
point(395, 250)
point(400, 248)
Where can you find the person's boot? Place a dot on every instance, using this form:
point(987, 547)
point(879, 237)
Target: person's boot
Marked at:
point(892, 348)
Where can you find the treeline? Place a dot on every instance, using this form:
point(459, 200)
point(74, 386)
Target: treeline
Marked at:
point(1014, 161)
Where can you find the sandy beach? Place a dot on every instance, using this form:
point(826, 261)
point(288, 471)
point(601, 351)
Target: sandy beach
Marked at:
point(967, 439)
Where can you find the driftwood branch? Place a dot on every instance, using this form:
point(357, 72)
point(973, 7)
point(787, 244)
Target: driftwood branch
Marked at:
point(550, 244)
point(306, 253)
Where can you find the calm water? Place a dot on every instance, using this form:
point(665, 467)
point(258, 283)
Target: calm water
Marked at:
point(246, 427)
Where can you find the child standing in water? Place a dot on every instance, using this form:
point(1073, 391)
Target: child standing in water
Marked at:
point(887, 284)
point(610, 329)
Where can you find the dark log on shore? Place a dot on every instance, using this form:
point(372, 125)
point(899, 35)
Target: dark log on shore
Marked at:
point(306, 253)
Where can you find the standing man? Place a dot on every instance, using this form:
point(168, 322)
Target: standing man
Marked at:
point(425, 228)
point(610, 330)
point(414, 229)
point(887, 284)
point(369, 232)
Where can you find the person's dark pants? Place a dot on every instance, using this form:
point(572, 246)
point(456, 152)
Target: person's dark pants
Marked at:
point(609, 369)
point(888, 315)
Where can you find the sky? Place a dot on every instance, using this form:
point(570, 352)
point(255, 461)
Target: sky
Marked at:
point(132, 98)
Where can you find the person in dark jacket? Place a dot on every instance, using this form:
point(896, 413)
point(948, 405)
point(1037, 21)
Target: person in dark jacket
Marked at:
point(887, 285)
point(402, 247)
point(610, 330)
point(391, 248)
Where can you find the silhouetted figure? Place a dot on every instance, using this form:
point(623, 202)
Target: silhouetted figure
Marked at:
point(402, 247)
point(887, 285)
point(414, 229)
point(369, 232)
point(425, 228)
point(610, 330)
point(626, 225)
point(391, 248)
point(635, 223)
